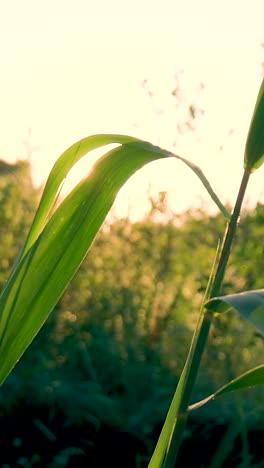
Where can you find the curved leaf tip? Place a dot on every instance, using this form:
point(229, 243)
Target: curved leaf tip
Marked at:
point(249, 304)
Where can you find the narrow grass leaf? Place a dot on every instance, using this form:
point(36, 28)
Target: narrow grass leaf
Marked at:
point(249, 379)
point(254, 151)
point(46, 268)
point(249, 304)
point(197, 170)
point(57, 242)
point(73, 155)
point(163, 444)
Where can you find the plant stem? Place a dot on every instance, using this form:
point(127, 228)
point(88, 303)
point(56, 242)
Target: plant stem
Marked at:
point(202, 330)
point(229, 236)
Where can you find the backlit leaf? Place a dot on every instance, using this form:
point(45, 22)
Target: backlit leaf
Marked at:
point(58, 242)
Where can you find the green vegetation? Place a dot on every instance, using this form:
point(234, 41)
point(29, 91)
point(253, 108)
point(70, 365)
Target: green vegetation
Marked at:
point(119, 335)
point(118, 338)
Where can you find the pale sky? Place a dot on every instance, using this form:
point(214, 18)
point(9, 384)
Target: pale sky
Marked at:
point(71, 68)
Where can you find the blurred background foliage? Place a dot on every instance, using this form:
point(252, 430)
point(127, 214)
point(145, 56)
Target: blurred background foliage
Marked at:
point(113, 349)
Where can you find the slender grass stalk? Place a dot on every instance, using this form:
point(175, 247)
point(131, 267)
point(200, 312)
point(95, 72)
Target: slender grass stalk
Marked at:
point(189, 374)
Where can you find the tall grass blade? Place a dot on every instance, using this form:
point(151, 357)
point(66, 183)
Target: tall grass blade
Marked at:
point(163, 443)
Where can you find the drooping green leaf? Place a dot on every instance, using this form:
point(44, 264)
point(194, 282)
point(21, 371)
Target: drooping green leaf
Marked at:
point(249, 304)
point(73, 154)
point(254, 151)
point(50, 262)
point(58, 242)
point(249, 379)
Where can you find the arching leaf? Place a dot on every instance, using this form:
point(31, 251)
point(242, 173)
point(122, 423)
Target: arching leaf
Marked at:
point(58, 242)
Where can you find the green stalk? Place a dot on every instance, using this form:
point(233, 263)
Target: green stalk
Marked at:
point(189, 374)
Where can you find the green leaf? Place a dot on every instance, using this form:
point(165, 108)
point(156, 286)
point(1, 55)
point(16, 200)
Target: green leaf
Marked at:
point(58, 242)
point(254, 151)
point(249, 304)
point(249, 379)
point(50, 260)
point(74, 154)
point(58, 174)
point(162, 446)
